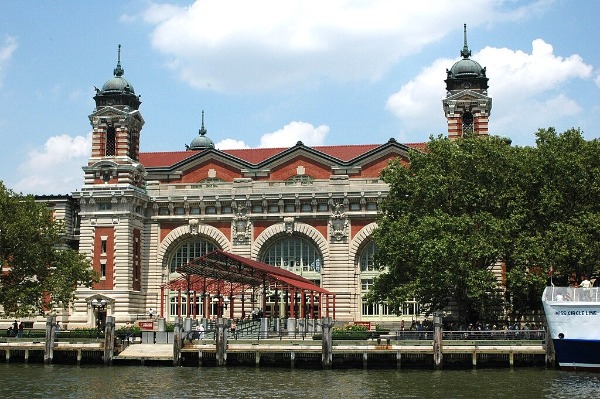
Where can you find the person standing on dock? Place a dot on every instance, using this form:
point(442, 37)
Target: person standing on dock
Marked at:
point(21, 328)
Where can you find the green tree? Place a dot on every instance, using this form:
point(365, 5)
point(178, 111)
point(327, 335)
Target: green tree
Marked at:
point(445, 223)
point(39, 271)
point(469, 204)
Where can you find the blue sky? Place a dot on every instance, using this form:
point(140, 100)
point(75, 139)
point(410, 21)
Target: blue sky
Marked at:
point(270, 73)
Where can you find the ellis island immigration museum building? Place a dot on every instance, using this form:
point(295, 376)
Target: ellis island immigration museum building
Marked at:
point(149, 222)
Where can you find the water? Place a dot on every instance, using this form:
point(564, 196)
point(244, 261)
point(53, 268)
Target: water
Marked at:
point(59, 381)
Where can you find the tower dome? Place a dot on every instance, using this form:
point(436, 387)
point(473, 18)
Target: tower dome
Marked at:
point(202, 141)
point(466, 73)
point(117, 91)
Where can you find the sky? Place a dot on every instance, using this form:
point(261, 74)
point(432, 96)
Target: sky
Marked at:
point(270, 73)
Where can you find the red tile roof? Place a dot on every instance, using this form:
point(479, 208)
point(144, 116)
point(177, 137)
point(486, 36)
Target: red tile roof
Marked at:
point(257, 155)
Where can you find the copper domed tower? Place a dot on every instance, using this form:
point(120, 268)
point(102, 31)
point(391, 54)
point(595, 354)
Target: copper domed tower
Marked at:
point(467, 105)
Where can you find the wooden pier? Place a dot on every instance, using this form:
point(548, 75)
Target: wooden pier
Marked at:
point(384, 352)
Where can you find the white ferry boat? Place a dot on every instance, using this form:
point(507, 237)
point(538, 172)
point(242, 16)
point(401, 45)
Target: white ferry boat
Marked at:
point(573, 316)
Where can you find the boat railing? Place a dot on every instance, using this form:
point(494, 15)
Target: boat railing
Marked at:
point(572, 294)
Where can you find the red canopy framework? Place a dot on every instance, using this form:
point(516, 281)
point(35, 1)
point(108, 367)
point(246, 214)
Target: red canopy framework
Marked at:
point(226, 277)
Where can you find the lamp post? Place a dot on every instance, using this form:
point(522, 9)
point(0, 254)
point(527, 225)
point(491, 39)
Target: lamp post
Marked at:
point(99, 307)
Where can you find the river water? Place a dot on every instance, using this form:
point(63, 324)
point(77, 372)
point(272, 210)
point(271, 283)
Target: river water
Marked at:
point(60, 381)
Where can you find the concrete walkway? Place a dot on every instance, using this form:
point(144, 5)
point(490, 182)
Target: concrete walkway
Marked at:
point(147, 352)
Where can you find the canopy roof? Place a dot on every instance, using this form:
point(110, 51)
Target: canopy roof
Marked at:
point(221, 271)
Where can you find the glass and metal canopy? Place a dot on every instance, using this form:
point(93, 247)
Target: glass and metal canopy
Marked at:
point(220, 274)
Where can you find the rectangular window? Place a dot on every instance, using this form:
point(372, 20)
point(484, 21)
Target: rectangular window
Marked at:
point(195, 211)
point(180, 210)
point(211, 210)
point(306, 208)
point(103, 270)
point(371, 206)
point(289, 208)
point(355, 206)
point(323, 207)
point(273, 208)
point(257, 209)
point(103, 246)
point(163, 211)
point(226, 210)
point(104, 206)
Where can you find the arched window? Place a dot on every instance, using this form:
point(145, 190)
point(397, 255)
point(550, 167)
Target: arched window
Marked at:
point(367, 264)
point(369, 270)
point(189, 250)
point(296, 254)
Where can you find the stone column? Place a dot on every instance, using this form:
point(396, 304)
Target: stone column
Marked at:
point(327, 342)
point(291, 327)
point(222, 326)
point(437, 340)
point(264, 328)
point(177, 340)
point(50, 336)
point(109, 340)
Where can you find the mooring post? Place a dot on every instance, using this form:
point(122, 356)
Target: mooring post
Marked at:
point(549, 344)
point(327, 342)
point(50, 332)
point(177, 340)
point(221, 341)
point(437, 340)
point(109, 340)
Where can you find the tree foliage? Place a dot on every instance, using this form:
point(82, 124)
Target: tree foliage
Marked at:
point(468, 205)
point(39, 271)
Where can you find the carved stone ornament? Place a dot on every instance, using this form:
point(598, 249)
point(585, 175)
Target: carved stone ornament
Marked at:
point(241, 226)
point(338, 223)
point(289, 224)
point(194, 226)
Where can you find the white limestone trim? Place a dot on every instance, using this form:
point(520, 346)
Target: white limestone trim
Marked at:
point(298, 227)
point(357, 241)
point(204, 230)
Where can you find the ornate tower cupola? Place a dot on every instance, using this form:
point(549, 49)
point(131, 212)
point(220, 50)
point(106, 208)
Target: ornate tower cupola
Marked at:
point(117, 124)
point(466, 106)
point(201, 142)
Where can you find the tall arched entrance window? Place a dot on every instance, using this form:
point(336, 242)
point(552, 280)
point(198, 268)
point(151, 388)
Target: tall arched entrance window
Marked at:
point(188, 250)
point(369, 270)
point(298, 255)
point(183, 253)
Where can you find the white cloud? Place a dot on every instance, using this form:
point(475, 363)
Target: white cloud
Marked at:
point(231, 144)
point(528, 90)
point(293, 132)
point(228, 45)
point(7, 50)
point(57, 168)
point(597, 79)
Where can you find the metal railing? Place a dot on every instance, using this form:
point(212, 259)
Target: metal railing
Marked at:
point(572, 294)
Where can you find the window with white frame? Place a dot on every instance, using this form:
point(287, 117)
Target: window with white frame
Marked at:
point(296, 254)
point(189, 250)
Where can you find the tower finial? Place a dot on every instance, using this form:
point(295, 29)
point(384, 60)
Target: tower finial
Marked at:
point(202, 129)
point(465, 53)
point(118, 70)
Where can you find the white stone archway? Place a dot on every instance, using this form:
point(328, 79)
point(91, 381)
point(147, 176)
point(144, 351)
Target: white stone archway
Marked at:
point(280, 229)
point(358, 240)
point(185, 232)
